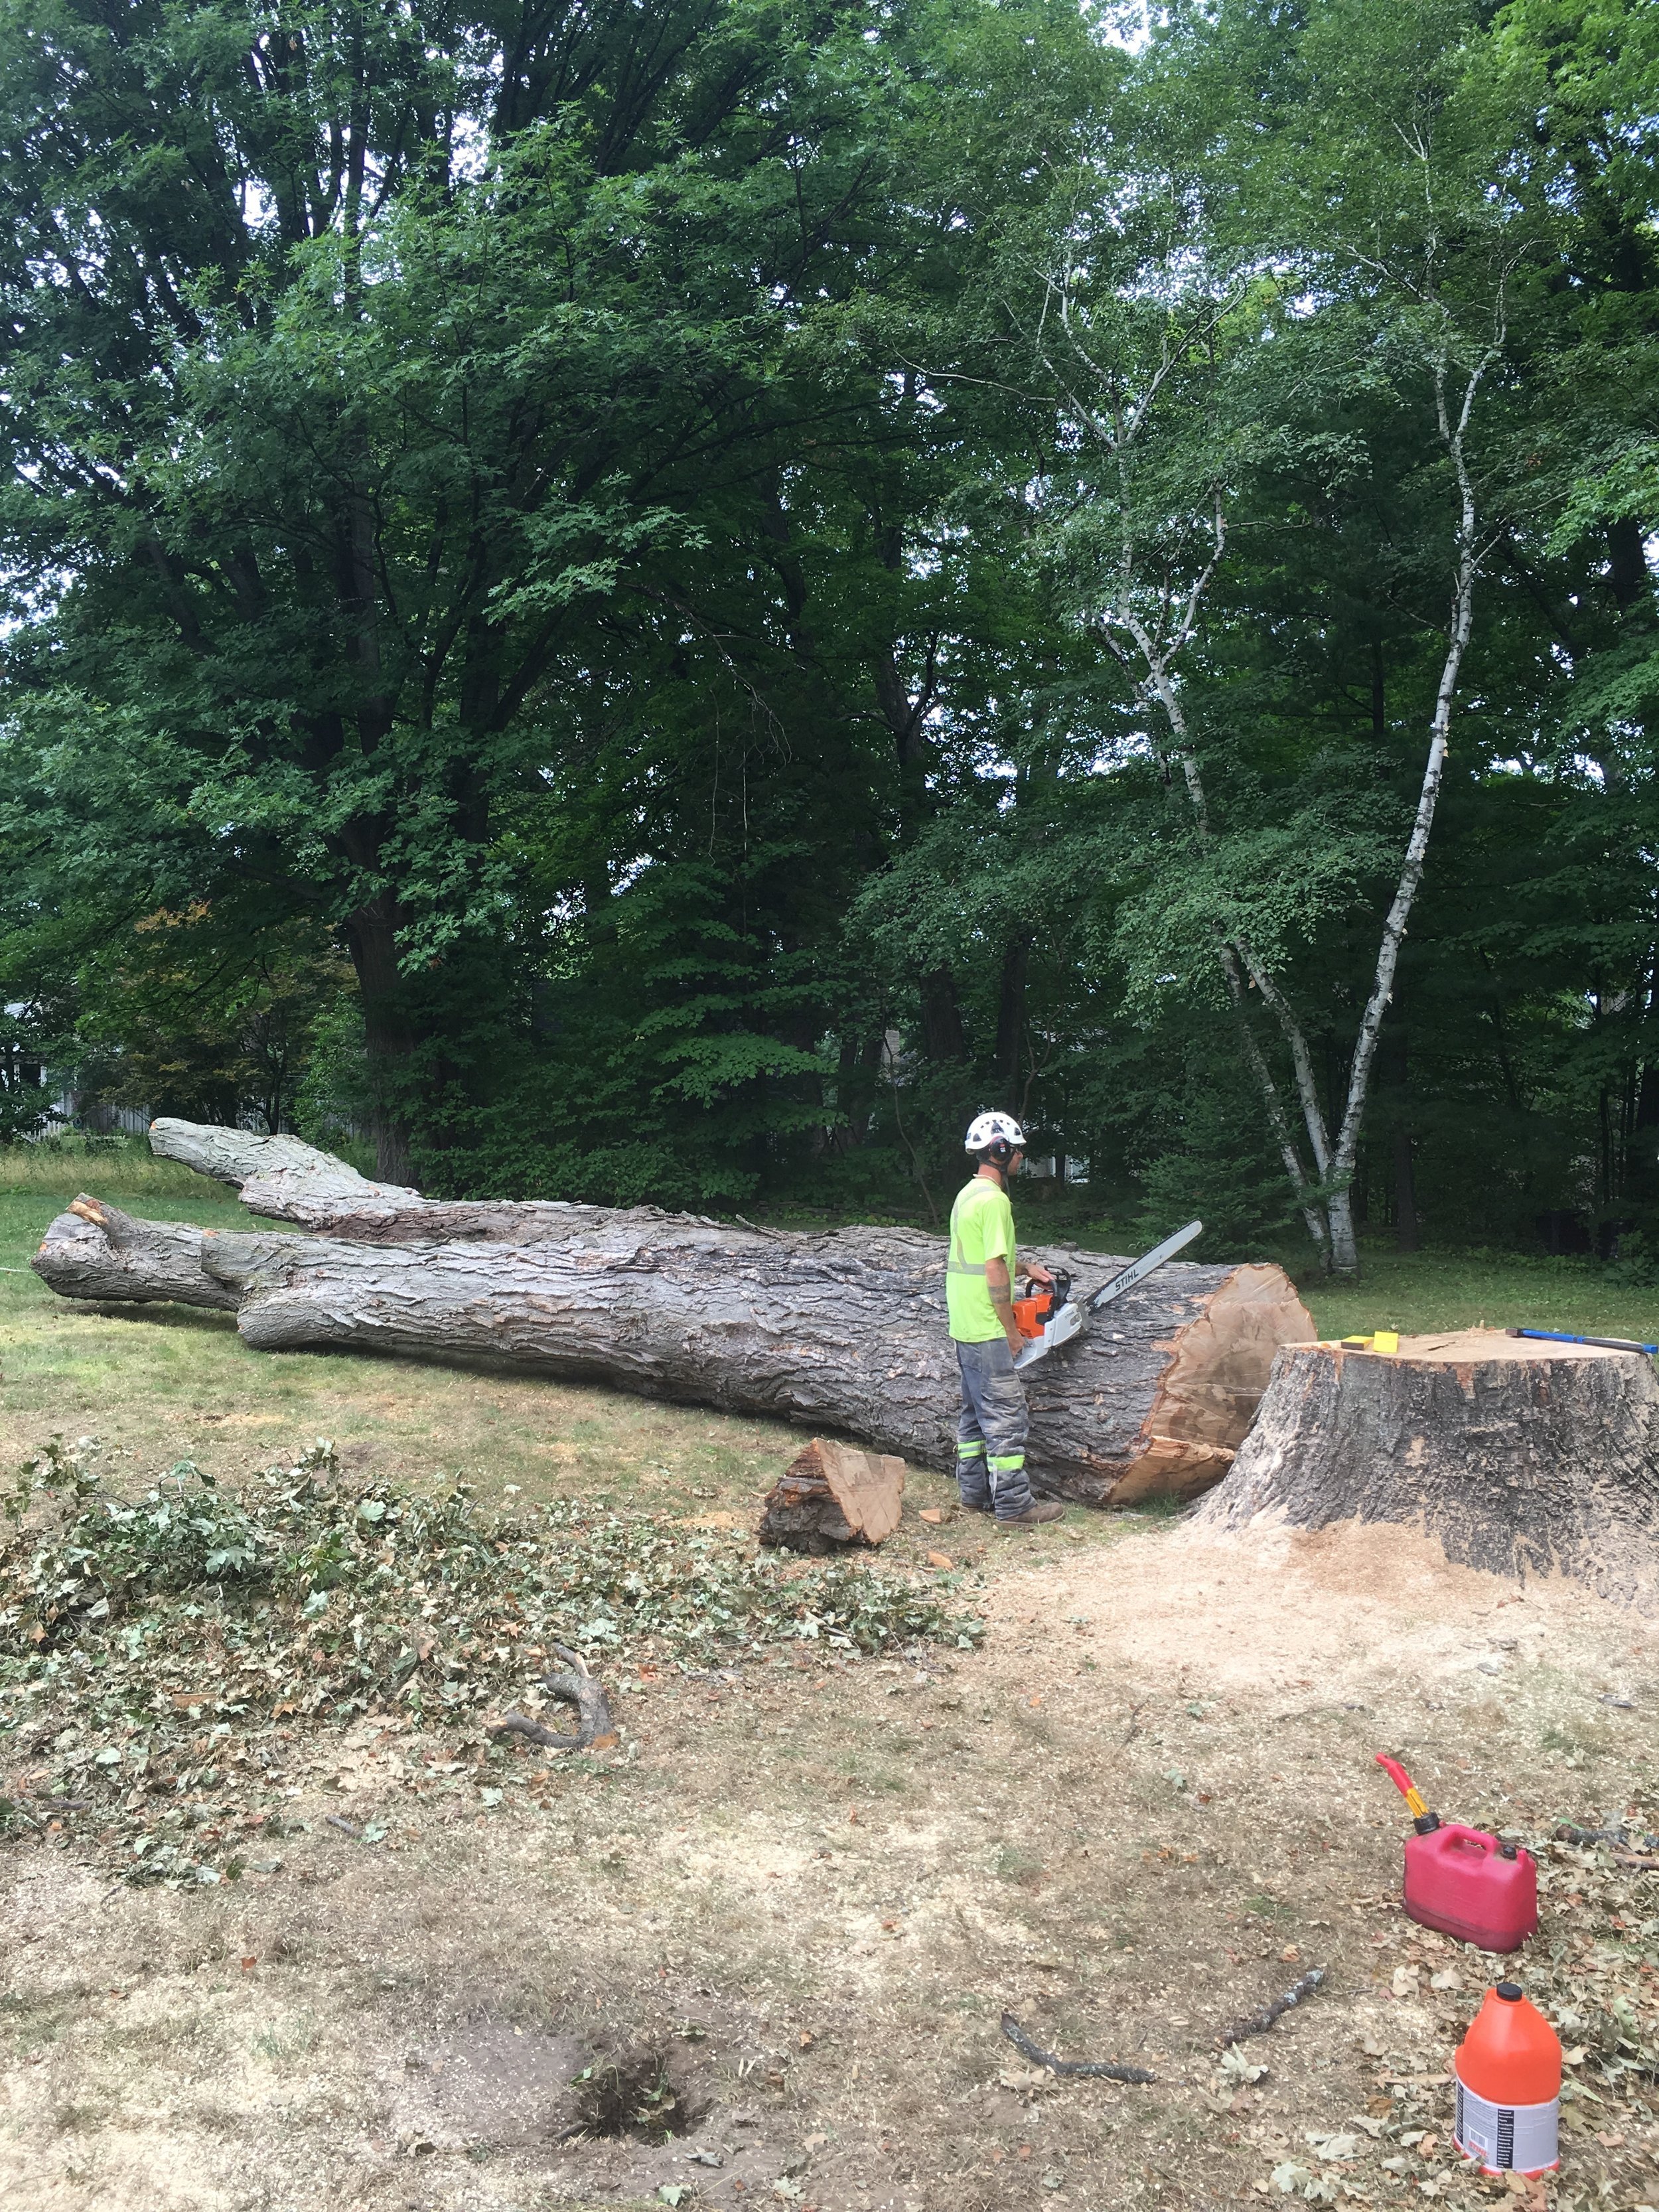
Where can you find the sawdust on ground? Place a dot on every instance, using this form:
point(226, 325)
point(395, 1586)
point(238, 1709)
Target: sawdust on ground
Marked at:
point(1351, 1608)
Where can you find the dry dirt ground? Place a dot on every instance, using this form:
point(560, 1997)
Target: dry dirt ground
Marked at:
point(807, 1894)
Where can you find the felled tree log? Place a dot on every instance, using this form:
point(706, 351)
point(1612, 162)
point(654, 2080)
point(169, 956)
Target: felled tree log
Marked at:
point(1518, 1457)
point(845, 1331)
point(285, 1180)
point(832, 1494)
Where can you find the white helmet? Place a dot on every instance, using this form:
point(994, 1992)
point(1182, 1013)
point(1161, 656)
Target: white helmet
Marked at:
point(999, 1134)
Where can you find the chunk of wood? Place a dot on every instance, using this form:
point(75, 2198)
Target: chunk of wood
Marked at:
point(832, 1493)
point(844, 1332)
point(1516, 1456)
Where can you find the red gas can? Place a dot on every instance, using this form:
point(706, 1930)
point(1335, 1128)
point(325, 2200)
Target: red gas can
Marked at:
point(1465, 1882)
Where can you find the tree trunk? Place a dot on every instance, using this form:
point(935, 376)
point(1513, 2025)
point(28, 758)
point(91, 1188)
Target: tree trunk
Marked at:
point(1345, 1244)
point(1010, 1021)
point(1516, 1456)
point(943, 1036)
point(372, 937)
point(1404, 1191)
point(284, 1180)
point(1405, 1181)
point(842, 1332)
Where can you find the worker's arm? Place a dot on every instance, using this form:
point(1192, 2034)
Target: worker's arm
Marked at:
point(1002, 1303)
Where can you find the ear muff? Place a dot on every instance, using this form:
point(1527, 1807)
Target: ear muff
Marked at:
point(999, 1153)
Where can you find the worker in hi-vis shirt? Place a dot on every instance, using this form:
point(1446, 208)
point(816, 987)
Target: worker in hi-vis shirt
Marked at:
point(979, 1294)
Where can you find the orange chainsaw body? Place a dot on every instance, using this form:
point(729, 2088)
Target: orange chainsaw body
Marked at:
point(1038, 1302)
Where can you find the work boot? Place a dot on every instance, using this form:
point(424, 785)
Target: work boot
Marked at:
point(1034, 1515)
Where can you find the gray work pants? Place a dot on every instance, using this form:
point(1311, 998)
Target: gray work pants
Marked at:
point(991, 1432)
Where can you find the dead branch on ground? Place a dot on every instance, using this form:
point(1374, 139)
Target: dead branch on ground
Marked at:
point(1098, 2069)
point(577, 1687)
point(1258, 2023)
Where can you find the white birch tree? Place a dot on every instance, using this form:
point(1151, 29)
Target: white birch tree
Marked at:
point(1140, 362)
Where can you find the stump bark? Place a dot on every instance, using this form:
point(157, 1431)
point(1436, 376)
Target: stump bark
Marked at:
point(1518, 1457)
point(841, 1332)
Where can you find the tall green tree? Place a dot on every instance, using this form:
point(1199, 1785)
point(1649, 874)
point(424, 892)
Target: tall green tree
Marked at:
point(356, 359)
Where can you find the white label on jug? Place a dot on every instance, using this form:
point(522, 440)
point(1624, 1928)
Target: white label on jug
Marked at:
point(1507, 2138)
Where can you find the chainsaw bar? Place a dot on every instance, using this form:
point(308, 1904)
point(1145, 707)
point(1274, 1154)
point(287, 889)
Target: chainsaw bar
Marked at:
point(1137, 1270)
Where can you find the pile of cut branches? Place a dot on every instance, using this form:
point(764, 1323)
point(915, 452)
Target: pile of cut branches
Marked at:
point(152, 1647)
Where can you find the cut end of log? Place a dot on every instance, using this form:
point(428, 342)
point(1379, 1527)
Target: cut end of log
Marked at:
point(833, 1494)
point(1214, 1361)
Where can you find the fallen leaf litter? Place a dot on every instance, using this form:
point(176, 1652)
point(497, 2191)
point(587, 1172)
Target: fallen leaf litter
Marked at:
point(159, 1654)
point(1594, 1971)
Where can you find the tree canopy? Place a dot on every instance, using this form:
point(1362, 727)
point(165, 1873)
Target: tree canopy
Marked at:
point(660, 603)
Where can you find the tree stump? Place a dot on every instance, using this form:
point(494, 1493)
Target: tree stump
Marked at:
point(842, 1331)
point(1518, 1457)
point(831, 1494)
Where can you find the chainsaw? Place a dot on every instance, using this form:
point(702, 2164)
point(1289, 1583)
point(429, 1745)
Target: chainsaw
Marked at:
point(1047, 1315)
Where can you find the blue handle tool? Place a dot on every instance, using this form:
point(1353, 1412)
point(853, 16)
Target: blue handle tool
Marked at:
point(1608, 1343)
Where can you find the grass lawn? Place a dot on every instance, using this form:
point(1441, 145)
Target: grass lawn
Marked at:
point(1420, 1291)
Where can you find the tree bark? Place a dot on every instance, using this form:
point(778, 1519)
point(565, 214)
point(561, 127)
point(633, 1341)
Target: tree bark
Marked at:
point(371, 938)
point(1518, 1457)
point(843, 1332)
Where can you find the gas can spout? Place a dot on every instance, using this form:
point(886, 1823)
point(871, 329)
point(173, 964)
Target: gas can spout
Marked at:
point(1409, 1790)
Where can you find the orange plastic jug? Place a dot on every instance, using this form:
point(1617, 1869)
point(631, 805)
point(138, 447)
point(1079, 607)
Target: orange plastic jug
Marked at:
point(1508, 2070)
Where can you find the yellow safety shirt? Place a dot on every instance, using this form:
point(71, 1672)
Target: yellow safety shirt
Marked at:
point(981, 1228)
